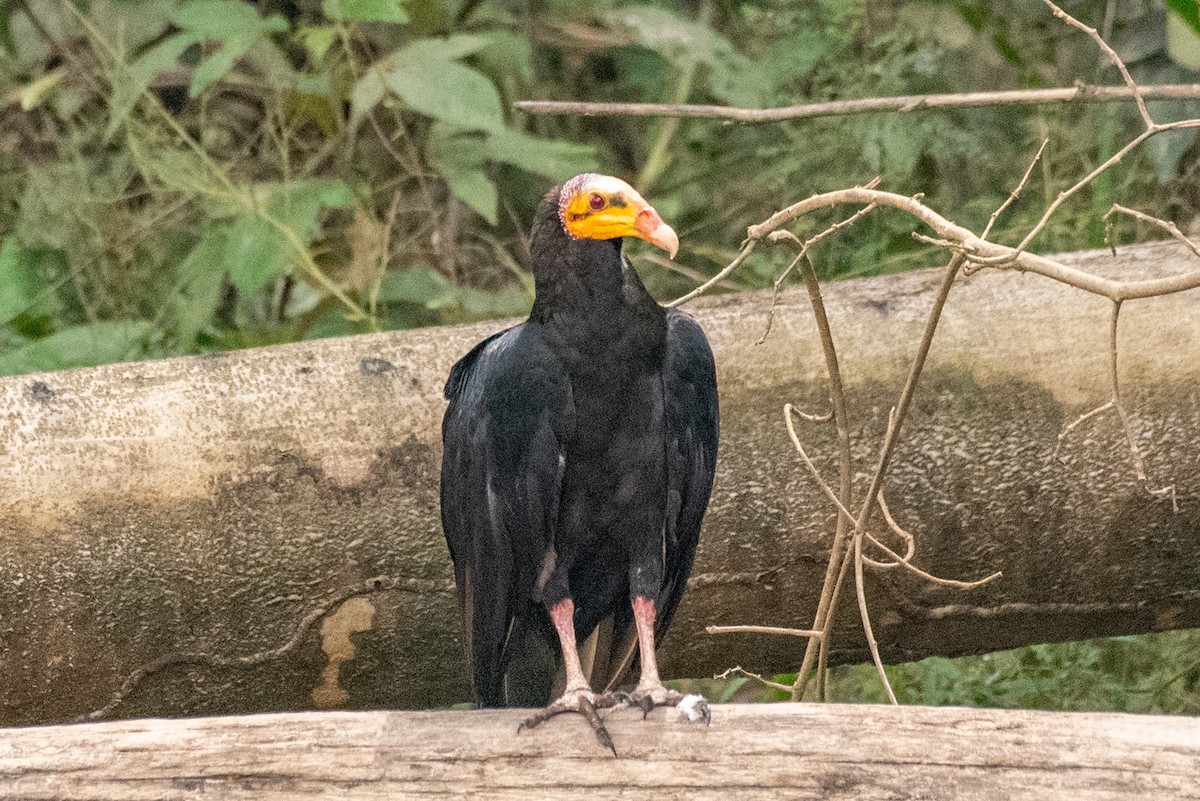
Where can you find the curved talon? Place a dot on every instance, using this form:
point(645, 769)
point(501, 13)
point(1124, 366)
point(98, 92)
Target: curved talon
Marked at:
point(693, 706)
point(582, 703)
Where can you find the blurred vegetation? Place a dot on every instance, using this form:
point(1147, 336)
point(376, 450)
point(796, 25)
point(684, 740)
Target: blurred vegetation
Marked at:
point(1146, 674)
point(185, 176)
point(182, 176)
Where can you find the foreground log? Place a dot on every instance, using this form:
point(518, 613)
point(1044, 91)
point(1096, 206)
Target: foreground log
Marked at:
point(769, 751)
point(272, 514)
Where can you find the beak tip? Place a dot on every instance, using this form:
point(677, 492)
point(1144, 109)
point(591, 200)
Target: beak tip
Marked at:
point(665, 237)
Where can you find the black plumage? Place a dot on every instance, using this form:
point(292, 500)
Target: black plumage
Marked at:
point(579, 449)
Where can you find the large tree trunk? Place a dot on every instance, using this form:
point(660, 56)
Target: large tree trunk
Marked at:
point(206, 505)
point(762, 751)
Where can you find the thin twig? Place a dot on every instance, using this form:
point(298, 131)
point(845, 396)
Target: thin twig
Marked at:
point(1166, 225)
point(757, 677)
point(1074, 424)
point(763, 630)
point(812, 468)
point(1112, 56)
point(910, 542)
point(860, 590)
point(870, 105)
point(802, 249)
point(747, 248)
point(1016, 193)
point(1139, 464)
point(843, 525)
point(906, 564)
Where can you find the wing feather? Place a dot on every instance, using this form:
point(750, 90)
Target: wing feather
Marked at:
point(693, 425)
point(510, 410)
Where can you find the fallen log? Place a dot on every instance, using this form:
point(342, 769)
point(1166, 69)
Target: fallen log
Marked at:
point(258, 530)
point(765, 751)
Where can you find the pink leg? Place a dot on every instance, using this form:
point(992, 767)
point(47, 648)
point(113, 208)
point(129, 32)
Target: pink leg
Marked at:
point(650, 691)
point(578, 696)
point(563, 616)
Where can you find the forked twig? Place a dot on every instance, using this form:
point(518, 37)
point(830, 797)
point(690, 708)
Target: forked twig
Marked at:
point(1016, 193)
point(1115, 402)
point(1170, 227)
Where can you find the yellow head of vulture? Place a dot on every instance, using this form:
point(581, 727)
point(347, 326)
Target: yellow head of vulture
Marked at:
point(595, 206)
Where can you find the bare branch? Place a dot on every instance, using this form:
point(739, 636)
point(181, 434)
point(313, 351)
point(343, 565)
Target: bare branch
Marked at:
point(981, 250)
point(870, 105)
point(1016, 193)
point(1166, 225)
point(1112, 56)
point(763, 630)
point(763, 680)
point(812, 468)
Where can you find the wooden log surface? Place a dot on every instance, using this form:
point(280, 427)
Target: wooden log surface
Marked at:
point(228, 507)
point(766, 751)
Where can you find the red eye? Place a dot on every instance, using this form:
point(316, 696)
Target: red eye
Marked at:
point(596, 201)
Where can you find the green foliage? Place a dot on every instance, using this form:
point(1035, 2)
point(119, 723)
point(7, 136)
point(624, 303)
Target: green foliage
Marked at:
point(1154, 673)
point(1188, 11)
point(235, 25)
point(1150, 673)
point(230, 173)
point(365, 10)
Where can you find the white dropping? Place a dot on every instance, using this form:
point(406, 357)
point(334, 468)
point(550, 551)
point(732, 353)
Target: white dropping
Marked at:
point(692, 706)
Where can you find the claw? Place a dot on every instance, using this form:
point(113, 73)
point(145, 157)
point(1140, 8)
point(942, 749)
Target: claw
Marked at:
point(582, 702)
point(693, 706)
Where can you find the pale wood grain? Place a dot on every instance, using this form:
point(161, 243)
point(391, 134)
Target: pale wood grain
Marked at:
point(749, 752)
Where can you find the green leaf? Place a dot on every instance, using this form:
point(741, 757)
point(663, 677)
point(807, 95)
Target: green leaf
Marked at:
point(135, 79)
point(18, 279)
point(1188, 11)
point(199, 291)
point(317, 39)
point(732, 76)
point(365, 10)
point(256, 252)
point(235, 24)
point(367, 93)
point(420, 284)
point(442, 48)
point(459, 157)
point(554, 158)
point(80, 346)
point(427, 78)
point(258, 248)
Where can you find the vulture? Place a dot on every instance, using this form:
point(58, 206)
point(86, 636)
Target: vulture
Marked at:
point(579, 449)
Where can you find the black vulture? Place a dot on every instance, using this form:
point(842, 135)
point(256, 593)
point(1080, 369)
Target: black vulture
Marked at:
point(579, 449)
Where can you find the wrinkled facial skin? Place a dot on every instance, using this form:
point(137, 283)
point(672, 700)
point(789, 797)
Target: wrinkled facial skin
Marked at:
point(601, 207)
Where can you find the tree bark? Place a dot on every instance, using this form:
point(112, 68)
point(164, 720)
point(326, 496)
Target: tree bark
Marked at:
point(764, 751)
point(205, 506)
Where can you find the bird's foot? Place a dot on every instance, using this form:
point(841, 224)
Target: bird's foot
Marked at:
point(583, 702)
point(693, 706)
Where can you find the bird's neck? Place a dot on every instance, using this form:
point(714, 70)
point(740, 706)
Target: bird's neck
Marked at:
point(589, 299)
